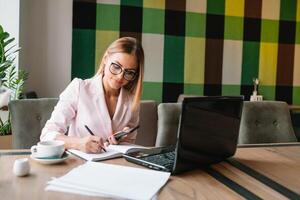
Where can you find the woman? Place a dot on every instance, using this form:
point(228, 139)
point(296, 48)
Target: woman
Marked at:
point(106, 103)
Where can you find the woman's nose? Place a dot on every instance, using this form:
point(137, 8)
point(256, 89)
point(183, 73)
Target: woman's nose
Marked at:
point(120, 76)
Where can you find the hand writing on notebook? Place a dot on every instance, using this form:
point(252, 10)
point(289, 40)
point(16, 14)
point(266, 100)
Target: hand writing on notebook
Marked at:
point(91, 144)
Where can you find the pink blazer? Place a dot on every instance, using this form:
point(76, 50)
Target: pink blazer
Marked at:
point(83, 103)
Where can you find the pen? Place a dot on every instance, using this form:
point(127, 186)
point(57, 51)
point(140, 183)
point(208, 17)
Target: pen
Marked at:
point(91, 132)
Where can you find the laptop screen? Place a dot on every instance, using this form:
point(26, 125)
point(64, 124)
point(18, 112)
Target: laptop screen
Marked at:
point(209, 128)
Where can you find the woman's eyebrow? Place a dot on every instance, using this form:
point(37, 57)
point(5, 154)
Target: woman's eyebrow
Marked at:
point(117, 62)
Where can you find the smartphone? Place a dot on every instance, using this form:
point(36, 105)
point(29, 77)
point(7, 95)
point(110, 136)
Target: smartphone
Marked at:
point(119, 135)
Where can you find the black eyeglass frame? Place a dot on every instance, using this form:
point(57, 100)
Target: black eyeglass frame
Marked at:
point(126, 71)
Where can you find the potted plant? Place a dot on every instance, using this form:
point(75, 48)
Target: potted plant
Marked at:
point(11, 80)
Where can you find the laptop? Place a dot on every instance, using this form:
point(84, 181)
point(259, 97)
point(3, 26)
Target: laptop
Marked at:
point(207, 133)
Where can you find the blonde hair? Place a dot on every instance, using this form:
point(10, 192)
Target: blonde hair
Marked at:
point(133, 47)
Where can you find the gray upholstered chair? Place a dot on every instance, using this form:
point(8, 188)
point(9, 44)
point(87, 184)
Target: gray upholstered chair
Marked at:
point(296, 123)
point(168, 120)
point(148, 123)
point(28, 118)
point(182, 96)
point(30, 115)
point(266, 122)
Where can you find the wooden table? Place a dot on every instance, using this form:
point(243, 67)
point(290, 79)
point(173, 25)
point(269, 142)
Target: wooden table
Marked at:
point(294, 108)
point(231, 179)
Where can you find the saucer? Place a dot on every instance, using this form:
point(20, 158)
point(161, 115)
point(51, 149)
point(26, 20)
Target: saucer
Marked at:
point(51, 160)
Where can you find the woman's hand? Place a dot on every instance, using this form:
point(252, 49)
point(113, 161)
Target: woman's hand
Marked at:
point(111, 139)
point(91, 144)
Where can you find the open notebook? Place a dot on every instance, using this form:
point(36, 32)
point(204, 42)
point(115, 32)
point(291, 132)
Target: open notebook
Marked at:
point(112, 151)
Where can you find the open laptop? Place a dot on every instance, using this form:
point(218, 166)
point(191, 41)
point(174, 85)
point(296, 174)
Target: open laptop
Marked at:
point(207, 133)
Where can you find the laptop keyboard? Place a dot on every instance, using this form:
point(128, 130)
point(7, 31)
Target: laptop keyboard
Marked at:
point(166, 159)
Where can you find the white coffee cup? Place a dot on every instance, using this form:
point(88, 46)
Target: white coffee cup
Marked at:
point(48, 149)
point(21, 167)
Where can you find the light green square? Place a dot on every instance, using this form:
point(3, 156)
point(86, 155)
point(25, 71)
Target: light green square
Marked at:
point(233, 28)
point(298, 32)
point(268, 92)
point(103, 40)
point(195, 24)
point(196, 89)
point(194, 60)
point(153, 20)
point(296, 95)
point(269, 30)
point(108, 17)
point(152, 91)
point(231, 90)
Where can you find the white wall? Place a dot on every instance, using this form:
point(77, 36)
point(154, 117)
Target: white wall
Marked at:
point(9, 19)
point(46, 41)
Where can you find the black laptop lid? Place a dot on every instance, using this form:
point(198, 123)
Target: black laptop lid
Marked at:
point(209, 129)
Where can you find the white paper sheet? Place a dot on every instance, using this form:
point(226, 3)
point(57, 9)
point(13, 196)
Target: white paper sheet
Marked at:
point(99, 179)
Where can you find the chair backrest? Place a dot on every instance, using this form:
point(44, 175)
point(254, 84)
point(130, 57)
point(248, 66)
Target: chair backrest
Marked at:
point(28, 119)
point(266, 122)
point(182, 96)
point(168, 120)
point(148, 123)
point(295, 115)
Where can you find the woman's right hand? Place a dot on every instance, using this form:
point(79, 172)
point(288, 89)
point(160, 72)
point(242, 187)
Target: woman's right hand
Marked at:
point(91, 144)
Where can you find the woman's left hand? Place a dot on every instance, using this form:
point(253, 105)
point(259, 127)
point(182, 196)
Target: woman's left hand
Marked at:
point(111, 139)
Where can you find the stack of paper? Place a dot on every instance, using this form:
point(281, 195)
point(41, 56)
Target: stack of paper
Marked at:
point(99, 179)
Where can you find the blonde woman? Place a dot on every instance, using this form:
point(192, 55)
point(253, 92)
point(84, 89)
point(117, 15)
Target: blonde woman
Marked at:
point(107, 103)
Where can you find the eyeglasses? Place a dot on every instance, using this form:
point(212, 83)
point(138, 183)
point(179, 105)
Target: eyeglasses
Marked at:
point(129, 74)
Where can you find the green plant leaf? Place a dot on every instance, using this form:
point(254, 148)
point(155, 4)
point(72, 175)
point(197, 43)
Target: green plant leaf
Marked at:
point(3, 36)
point(5, 129)
point(7, 42)
point(10, 76)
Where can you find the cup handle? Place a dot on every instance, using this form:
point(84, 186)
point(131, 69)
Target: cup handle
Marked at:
point(33, 149)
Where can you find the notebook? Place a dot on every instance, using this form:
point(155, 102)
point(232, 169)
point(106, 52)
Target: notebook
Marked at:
point(112, 151)
point(207, 133)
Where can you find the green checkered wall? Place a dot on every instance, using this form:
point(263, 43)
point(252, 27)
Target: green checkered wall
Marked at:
point(201, 47)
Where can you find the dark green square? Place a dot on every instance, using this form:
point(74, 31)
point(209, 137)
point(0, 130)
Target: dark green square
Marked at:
point(195, 24)
point(152, 91)
point(174, 59)
point(108, 17)
point(297, 33)
point(250, 62)
point(269, 30)
point(196, 89)
point(234, 28)
point(216, 7)
point(153, 21)
point(83, 53)
point(288, 10)
point(138, 3)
